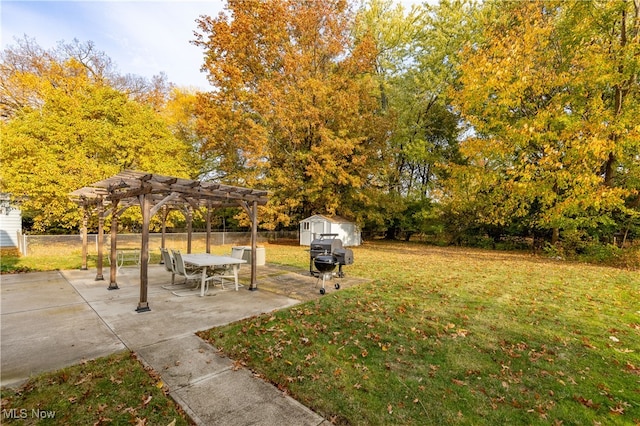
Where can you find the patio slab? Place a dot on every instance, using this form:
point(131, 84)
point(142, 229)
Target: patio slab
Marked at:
point(46, 325)
point(57, 319)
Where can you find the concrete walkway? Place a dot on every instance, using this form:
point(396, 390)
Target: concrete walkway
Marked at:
point(56, 319)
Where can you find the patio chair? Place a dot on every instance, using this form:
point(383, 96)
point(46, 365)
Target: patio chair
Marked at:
point(226, 271)
point(188, 274)
point(170, 266)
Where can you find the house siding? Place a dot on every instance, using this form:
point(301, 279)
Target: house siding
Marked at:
point(10, 226)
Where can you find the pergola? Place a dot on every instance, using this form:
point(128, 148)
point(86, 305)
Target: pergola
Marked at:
point(152, 193)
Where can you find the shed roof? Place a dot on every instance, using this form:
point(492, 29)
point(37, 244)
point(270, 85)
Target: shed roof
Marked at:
point(333, 218)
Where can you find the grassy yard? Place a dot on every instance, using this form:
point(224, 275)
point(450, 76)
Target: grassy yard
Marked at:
point(440, 336)
point(454, 336)
point(110, 390)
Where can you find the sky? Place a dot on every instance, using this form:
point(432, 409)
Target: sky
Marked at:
point(143, 38)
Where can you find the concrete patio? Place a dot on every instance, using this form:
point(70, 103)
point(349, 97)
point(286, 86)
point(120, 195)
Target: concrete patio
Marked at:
point(56, 319)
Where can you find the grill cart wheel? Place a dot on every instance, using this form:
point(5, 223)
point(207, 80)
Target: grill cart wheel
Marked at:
point(322, 290)
point(337, 286)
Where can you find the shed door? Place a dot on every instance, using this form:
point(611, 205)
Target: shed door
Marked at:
point(317, 228)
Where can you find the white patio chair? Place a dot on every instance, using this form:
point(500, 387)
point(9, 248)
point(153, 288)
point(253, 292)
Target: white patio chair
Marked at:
point(189, 274)
point(170, 266)
point(226, 271)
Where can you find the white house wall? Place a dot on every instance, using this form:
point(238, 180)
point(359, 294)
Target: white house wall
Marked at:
point(10, 225)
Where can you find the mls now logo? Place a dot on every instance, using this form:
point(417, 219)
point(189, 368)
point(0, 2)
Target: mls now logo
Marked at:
point(15, 413)
point(23, 413)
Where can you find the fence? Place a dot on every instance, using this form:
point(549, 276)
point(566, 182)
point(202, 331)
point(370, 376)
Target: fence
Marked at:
point(31, 245)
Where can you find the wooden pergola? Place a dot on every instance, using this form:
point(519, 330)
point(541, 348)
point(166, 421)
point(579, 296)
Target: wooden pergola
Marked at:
point(154, 193)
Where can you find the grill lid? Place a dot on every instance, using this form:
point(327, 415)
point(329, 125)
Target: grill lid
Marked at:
point(325, 263)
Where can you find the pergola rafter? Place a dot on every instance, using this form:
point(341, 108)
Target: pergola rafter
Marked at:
point(152, 192)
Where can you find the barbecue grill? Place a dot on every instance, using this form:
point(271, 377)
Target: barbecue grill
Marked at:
point(325, 254)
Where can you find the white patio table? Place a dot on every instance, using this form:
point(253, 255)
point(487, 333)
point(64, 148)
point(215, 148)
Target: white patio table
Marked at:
point(205, 260)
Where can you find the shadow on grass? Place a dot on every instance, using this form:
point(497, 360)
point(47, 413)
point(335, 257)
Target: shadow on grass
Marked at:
point(11, 265)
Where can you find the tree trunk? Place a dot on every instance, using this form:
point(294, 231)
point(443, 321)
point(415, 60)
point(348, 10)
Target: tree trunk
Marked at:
point(391, 232)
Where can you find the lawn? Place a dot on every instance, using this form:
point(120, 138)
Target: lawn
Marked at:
point(454, 336)
point(110, 390)
point(439, 336)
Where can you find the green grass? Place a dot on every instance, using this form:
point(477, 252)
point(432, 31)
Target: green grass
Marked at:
point(56, 259)
point(111, 390)
point(454, 336)
point(440, 336)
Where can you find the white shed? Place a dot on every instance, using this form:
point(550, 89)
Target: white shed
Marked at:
point(10, 223)
point(312, 227)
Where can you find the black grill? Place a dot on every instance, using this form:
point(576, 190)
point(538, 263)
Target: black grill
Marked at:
point(327, 250)
point(325, 263)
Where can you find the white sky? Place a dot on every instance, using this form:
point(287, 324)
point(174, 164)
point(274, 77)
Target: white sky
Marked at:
point(141, 37)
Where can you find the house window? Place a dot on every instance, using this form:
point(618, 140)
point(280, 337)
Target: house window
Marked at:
point(305, 226)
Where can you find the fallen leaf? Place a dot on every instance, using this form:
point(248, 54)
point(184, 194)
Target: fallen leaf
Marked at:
point(632, 368)
point(587, 402)
point(84, 379)
point(617, 410)
point(587, 344)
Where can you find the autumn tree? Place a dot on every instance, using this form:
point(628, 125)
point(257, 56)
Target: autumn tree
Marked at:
point(416, 64)
point(26, 68)
point(548, 91)
point(68, 127)
point(294, 108)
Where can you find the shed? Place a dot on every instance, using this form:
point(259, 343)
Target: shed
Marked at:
point(10, 222)
point(313, 226)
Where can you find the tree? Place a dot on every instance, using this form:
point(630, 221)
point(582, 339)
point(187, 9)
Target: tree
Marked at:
point(26, 69)
point(295, 108)
point(73, 129)
point(547, 92)
point(416, 64)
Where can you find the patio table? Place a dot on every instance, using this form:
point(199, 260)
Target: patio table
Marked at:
point(205, 260)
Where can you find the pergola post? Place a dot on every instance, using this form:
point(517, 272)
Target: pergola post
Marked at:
point(145, 207)
point(254, 245)
point(113, 271)
point(165, 214)
point(208, 243)
point(99, 275)
point(189, 217)
point(84, 231)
